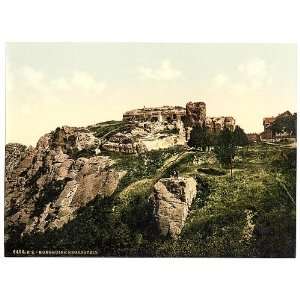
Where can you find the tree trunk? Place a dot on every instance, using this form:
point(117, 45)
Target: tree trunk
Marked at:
point(231, 167)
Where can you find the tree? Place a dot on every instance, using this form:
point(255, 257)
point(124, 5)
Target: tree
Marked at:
point(199, 137)
point(211, 138)
point(225, 148)
point(239, 137)
point(285, 122)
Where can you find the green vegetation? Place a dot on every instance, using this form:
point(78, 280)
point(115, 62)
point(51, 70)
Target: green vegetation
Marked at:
point(105, 128)
point(239, 137)
point(252, 215)
point(285, 122)
point(225, 148)
point(200, 138)
point(248, 213)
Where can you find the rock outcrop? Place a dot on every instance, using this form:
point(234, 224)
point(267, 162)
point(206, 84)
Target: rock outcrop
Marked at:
point(46, 185)
point(171, 200)
point(195, 113)
point(146, 136)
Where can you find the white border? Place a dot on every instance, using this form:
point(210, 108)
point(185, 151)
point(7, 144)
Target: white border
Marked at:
point(146, 21)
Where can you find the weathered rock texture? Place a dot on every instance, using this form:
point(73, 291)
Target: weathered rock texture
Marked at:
point(217, 124)
point(145, 136)
point(195, 113)
point(171, 200)
point(155, 114)
point(46, 185)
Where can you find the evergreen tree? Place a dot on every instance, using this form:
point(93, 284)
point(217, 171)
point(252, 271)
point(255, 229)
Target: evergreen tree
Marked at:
point(239, 137)
point(211, 138)
point(225, 148)
point(199, 137)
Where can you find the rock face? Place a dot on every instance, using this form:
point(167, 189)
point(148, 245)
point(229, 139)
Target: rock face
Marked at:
point(195, 113)
point(71, 139)
point(171, 200)
point(46, 185)
point(146, 136)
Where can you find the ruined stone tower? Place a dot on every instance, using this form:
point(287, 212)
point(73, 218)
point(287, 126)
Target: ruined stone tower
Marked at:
point(195, 113)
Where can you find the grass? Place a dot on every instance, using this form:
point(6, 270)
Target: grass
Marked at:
point(138, 188)
point(262, 187)
point(103, 129)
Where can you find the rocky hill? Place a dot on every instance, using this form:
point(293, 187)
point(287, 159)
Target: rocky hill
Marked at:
point(135, 190)
point(47, 185)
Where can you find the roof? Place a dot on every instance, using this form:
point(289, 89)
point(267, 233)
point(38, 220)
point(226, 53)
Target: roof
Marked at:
point(269, 119)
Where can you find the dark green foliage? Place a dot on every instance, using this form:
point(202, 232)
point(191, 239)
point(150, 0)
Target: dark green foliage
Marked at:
point(212, 137)
point(285, 122)
point(225, 148)
point(239, 137)
point(179, 166)
point(139, 166)
point(285, 159)
point(212, 171)
point(202, 137)
point(203, 190)
point(199, 137)
point(217, 219)
point(275, 231)
point(137, 214)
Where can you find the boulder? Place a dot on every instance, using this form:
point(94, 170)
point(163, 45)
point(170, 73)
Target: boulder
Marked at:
point(171, 200)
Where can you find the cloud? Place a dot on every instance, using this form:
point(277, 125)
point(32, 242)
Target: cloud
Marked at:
point(35, 85)
point(256, 72)
point(164, 72)
point(247, 77)
point(220, 80)
point(36, 103)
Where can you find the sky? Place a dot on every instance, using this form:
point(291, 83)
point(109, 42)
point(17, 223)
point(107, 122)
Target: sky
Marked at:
point(79, 84)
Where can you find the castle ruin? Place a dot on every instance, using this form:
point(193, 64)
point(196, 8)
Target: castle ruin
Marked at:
point(193, 114)
point(158, 114)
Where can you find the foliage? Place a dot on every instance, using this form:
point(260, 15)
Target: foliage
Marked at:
point(212, 171)
point(286, 122)
point(198, 137)
point(105, 128)
point(217, 221)
point(239, 137)
point(225, 148)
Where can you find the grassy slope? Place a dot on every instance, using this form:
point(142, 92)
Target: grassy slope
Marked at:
point(122, 225)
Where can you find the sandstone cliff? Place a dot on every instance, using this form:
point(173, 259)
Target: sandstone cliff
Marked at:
point(46, 185)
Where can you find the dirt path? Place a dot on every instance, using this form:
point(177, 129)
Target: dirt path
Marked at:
point(103, 137)
point(287, 146)
point(144, 185)
point(169, 162)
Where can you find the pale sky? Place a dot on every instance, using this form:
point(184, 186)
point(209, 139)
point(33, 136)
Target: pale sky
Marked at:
point(79, 84)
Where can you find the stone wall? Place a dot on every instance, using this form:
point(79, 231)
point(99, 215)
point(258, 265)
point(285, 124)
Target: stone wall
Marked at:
point(219, 123)
point(156, 114)
point(195, 113)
